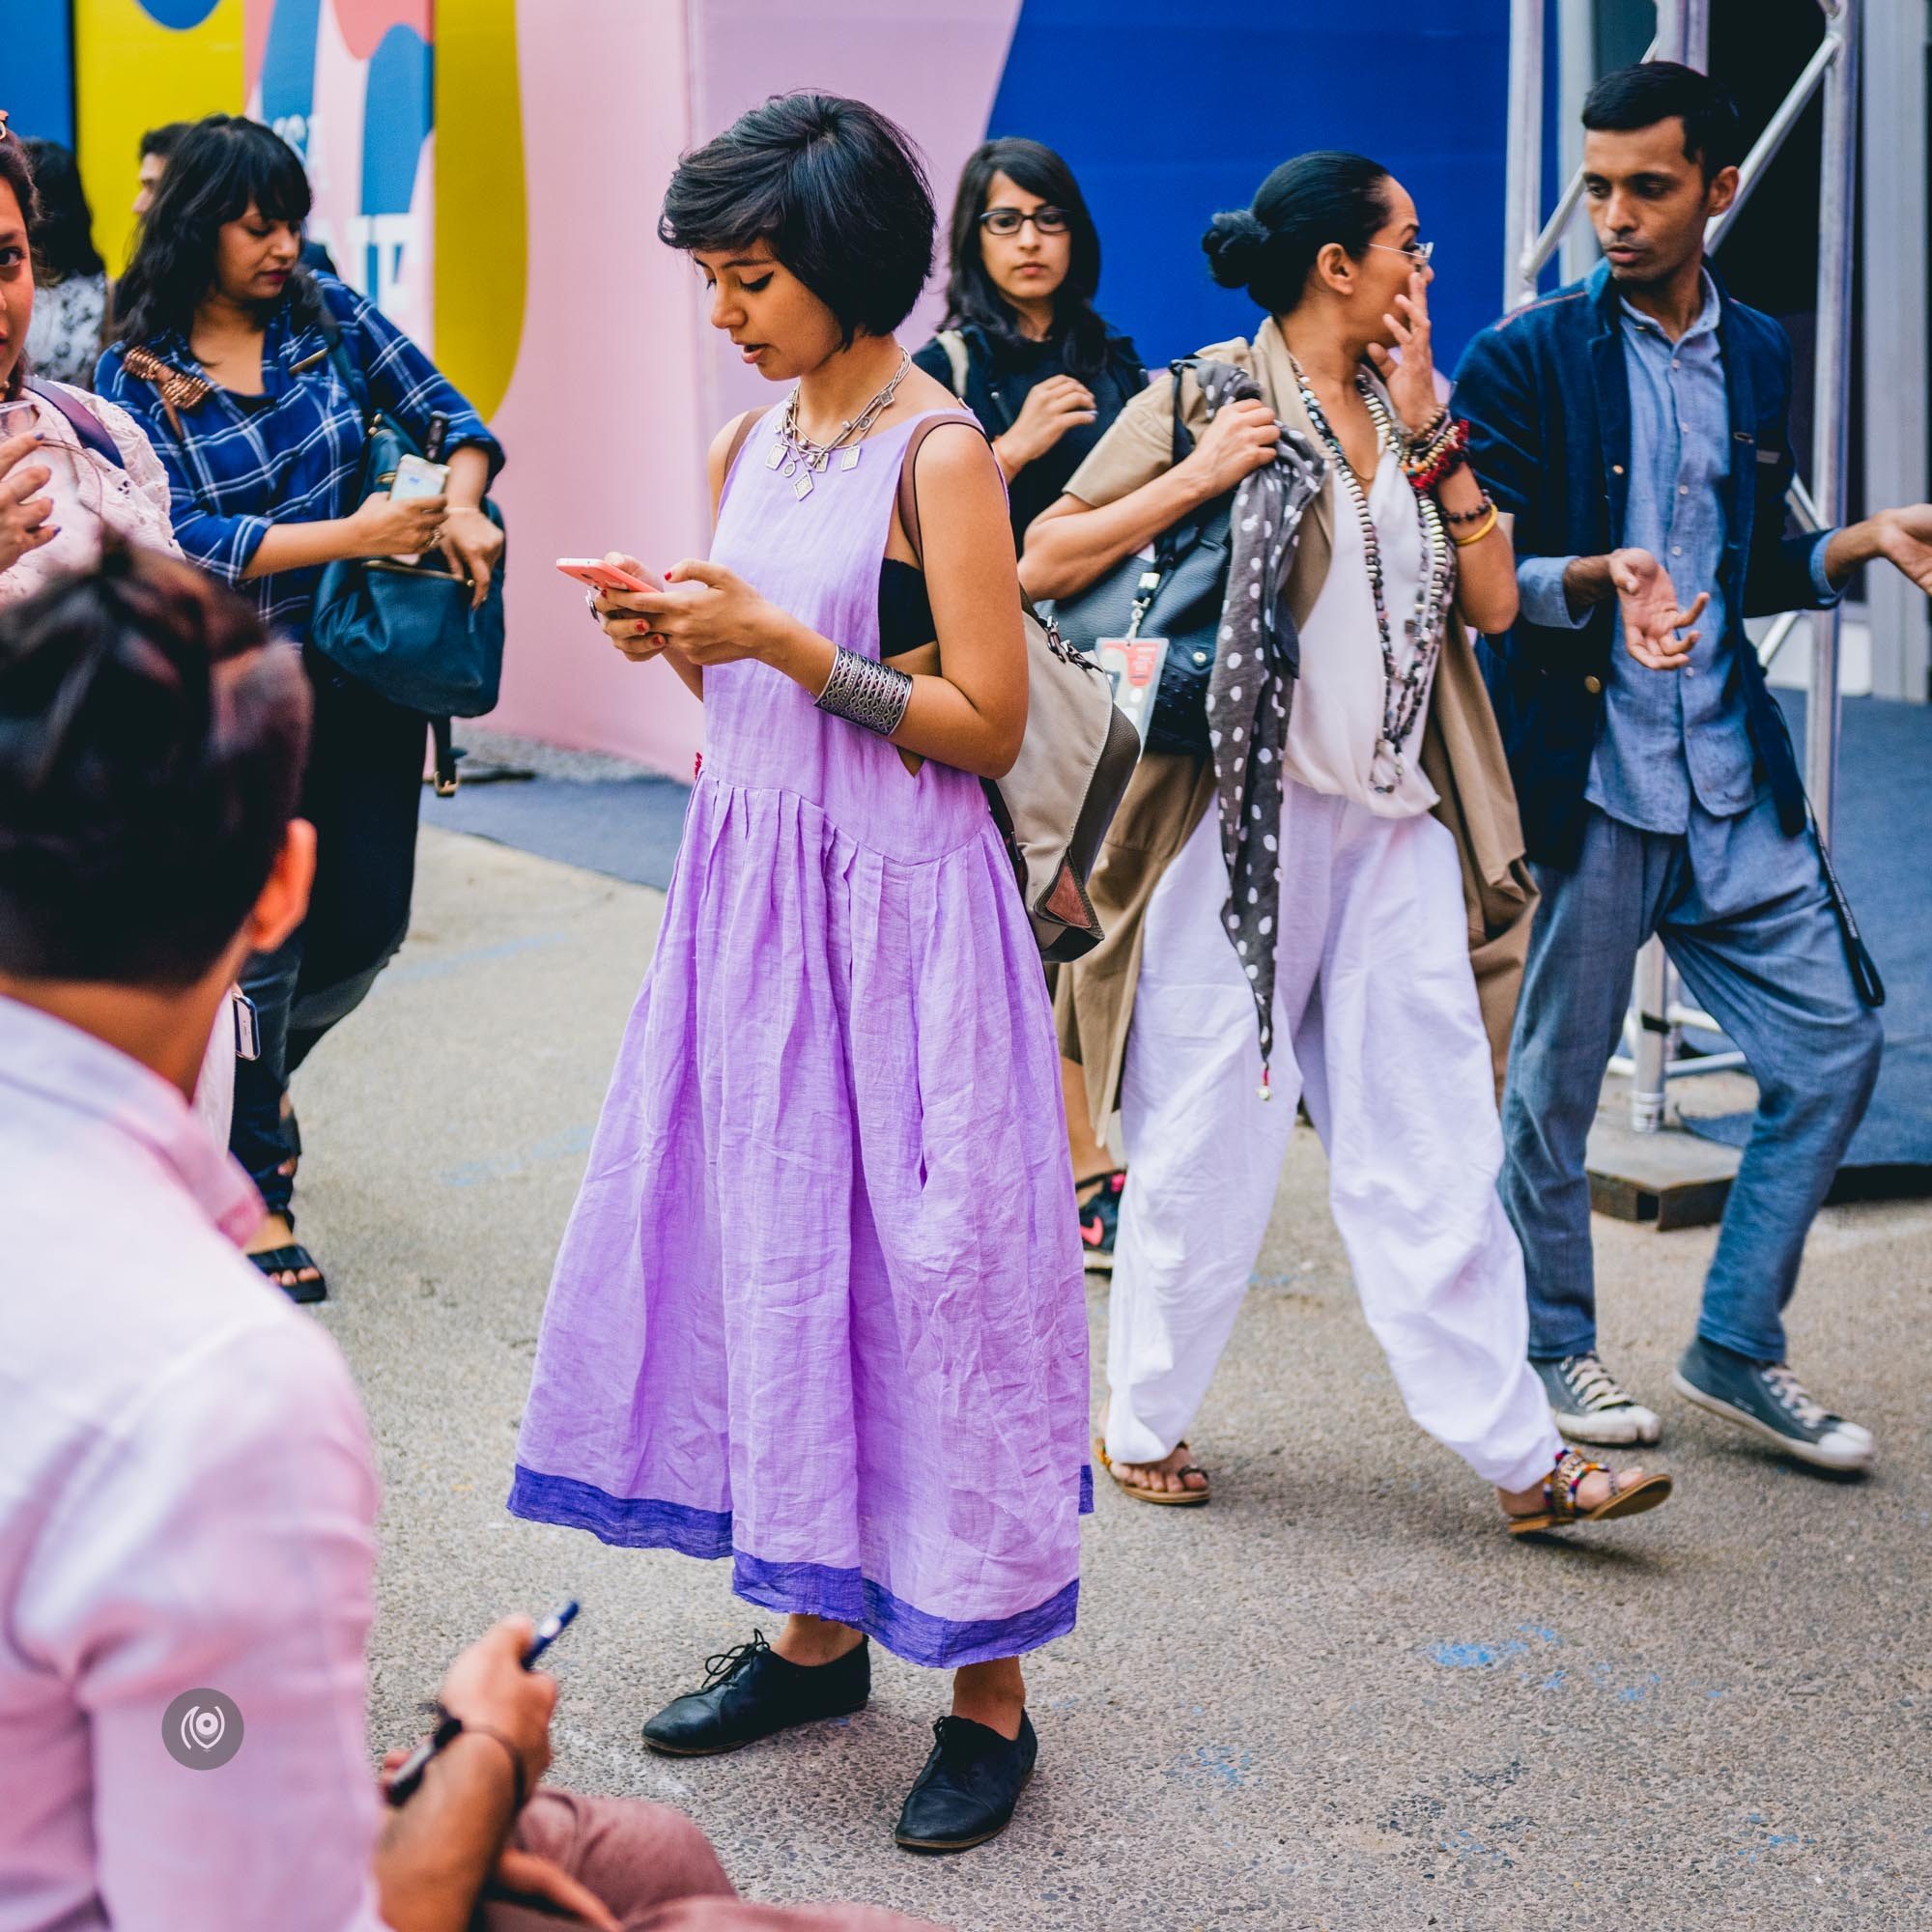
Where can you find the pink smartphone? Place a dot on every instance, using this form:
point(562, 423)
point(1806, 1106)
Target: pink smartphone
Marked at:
point(602, 576)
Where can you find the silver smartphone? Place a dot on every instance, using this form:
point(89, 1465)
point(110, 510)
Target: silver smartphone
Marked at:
point(247, 1026)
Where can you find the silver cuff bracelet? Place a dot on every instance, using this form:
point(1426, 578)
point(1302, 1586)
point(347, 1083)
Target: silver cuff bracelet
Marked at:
point(867, 693)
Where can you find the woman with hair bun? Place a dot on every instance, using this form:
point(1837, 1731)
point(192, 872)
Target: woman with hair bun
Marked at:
point(1292, 912)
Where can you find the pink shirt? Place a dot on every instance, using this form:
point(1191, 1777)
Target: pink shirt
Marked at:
point(186, 1500)
point(91, 494)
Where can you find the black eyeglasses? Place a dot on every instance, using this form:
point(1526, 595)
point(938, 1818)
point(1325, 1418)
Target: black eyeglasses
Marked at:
point(1011, 220)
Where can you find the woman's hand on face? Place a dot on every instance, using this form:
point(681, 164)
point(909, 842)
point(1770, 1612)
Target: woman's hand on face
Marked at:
point(1051, 409)
point(24, 511)
point(380, 528)
point(472, 544)
point(1240, 440)
point(1411, 381)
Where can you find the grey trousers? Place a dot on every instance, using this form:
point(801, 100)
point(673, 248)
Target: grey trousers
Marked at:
point(1744, 912)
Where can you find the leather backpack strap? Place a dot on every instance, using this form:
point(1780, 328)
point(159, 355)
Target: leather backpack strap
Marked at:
point(908, 485)
point(746, 423)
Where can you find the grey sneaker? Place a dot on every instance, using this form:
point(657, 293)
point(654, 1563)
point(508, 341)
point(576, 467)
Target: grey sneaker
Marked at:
point(1590, 1405)
point(1769, 1399)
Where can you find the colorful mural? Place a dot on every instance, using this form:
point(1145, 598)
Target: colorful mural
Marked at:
point(491, 170)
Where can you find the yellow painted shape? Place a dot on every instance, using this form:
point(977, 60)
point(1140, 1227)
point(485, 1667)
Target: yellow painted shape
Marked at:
point(131, 74)
point(481, 219)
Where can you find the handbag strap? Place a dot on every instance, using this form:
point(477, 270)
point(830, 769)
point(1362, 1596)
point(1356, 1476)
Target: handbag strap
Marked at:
point(337, 351)
point(746, 423)
point(1858, 956)
point(908, 471)
point(87, 426)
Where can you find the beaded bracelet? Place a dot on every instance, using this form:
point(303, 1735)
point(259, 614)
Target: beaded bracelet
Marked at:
point(1492, 517)
point(1446, 454)
point(866, 693)
point(1475, 516)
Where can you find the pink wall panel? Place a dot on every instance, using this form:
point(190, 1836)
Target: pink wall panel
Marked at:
point(606, 441)
point(618, 386)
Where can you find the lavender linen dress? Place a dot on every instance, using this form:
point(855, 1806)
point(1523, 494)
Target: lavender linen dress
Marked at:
point(820, 1305)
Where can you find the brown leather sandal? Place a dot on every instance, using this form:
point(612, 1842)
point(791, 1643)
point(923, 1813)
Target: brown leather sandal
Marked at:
point(1559, 1497)
point(1183, 1498)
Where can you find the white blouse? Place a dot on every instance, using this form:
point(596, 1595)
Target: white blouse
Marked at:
point(1336, 717)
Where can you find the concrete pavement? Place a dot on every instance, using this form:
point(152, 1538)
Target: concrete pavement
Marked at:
point(1340, 1697)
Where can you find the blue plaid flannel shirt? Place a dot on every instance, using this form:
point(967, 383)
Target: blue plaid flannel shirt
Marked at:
point(240, 466)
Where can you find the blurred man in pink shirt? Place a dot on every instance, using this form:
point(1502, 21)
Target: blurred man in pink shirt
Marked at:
point(187, 1493)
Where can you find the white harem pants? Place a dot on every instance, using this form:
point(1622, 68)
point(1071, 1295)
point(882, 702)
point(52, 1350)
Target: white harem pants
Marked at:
point(1377, 1027)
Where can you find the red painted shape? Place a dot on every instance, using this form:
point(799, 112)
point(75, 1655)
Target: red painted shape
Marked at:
point(364, 22)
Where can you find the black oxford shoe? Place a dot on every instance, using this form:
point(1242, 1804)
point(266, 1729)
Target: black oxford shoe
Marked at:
point(971, 1782)
point(752, 1691)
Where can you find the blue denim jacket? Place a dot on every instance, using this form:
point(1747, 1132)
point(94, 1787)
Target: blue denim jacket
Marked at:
point(1670, 736)
point(1577, 418)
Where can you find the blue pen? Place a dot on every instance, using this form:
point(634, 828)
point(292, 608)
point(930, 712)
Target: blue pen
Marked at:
point(410, 1774)
point(549, 1631)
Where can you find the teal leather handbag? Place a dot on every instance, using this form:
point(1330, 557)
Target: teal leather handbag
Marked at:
point(407, 630)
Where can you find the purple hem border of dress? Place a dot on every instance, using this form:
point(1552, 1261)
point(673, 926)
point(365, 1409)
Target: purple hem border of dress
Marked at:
point(803, 1589)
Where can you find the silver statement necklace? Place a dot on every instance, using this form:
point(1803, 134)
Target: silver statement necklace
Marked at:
point(801, 459)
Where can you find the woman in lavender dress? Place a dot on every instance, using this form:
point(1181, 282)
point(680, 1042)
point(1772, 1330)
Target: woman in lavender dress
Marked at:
point(819, 1307)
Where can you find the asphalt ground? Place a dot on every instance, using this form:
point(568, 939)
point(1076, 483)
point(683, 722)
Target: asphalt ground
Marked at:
point(1339, 1697)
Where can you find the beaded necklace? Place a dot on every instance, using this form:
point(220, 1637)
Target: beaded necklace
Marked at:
point(1402, 693)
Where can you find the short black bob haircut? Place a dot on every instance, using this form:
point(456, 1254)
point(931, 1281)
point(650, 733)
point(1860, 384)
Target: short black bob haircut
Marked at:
point(1640, 97)
point(223, 166)
point(151, 744)
point(837, 192)
point(1269, 248)
point(971, 295)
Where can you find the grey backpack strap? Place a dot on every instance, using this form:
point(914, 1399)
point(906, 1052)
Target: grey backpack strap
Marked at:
point(954, 344)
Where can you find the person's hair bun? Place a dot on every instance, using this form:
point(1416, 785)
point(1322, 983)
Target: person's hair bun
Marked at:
point(1234, 244)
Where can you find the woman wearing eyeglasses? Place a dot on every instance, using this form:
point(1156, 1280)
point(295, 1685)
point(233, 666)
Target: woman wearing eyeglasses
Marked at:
point(1025, 349)
point(1022, 345)
point(1292, 913)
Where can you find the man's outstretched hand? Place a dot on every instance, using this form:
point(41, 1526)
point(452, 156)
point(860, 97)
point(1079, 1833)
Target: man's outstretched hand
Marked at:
point(1657, 631)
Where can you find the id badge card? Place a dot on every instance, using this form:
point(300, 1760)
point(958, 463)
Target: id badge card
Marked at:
point(1133, 668)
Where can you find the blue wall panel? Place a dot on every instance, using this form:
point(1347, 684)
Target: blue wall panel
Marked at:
point(38, 84)
point(1167, 114)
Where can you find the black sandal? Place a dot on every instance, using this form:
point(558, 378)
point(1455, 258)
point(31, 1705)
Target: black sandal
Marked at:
point(293, 1260)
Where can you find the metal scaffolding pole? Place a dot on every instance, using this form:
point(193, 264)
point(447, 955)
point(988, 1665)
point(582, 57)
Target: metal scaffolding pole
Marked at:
point(1523, 170)
point(1831, 388)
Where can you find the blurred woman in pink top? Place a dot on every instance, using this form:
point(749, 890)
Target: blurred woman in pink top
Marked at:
point(72, 465)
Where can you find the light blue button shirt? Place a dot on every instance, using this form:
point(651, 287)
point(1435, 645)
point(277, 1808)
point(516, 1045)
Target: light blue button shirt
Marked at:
point(1669, 737)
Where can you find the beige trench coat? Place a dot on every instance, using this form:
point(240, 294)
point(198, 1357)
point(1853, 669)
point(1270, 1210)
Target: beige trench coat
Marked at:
point(1461, 754)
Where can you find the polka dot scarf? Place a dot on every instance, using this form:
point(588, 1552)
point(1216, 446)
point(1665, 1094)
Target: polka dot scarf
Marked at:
point(1251, 685)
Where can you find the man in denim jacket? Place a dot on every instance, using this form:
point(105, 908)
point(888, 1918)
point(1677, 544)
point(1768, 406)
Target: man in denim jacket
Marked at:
point(1637, 427)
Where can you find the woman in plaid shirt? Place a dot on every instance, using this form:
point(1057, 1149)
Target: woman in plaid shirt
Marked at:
point(223, 359)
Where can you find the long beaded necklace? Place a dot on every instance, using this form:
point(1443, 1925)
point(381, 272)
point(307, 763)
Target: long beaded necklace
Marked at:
point(801, 458)
point(1402, 692)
